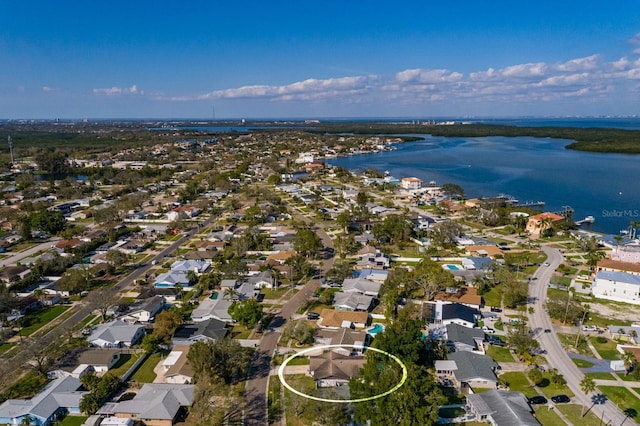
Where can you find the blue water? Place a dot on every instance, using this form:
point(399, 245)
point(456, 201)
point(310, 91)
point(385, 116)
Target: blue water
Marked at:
point(452, 267)
point(377, 328)
point(530, 169)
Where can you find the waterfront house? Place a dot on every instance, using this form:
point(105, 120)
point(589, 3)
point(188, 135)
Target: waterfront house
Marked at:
point(537, 224)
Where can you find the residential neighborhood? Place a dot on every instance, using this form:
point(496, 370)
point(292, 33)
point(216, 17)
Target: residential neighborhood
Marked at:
point(170, 285)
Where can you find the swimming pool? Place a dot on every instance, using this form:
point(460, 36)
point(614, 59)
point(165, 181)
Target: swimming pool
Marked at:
point(377, 328)
point(452, 267)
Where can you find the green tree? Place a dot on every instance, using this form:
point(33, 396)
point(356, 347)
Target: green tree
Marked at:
point(223, 360)
point(521, 340)
point(247, 313)
point(48, 221)
point(307, 242)
point(53, 163)
point(587, 385)
point(452, 190)
point(74, 281)
point(343, 220)
point(116, 258)
point(535, 376)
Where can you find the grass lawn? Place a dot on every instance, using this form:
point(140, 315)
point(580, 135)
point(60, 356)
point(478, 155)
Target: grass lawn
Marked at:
point(43, 317)
point(627, 378)
point(607, 350)
point(73, 421)
point(547, 417)
point(274, 404)
point(88, 319)
point(519, 382)
point(302, 383)
point(601, 375)
point(29, 385)
point(493, 297)
point(573, 412)
point(581, 363)
point(500, 354)
point(239, 331)
point(144, 373)
point(276, 293)
point(550, 389)
point(568, 341)
point(124, 363)
point(622, 397)
point(6, 347)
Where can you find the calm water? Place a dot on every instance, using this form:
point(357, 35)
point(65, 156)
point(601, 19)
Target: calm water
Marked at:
point(530, 169)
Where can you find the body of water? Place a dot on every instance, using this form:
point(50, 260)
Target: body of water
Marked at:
point(530, 169)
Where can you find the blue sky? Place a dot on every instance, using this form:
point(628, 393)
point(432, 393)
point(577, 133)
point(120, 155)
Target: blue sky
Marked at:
point(348, 58)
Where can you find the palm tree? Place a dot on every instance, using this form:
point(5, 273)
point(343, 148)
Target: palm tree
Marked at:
point(26, 421)
point(39, 294)
point(629, 361)
point(230, 293)
point(179, 289)
point(588, 385)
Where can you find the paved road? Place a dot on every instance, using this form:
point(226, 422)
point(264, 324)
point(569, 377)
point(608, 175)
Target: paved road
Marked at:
point(14, 257)
point(111, 294)
point(258, 380)
point(556, 355)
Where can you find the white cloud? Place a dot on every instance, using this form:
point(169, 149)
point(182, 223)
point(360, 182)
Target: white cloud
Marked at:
point(635, 42)
point(427, 76)
point(113, 91)
point(302, 90)
point(581, 64)
point(48, 89)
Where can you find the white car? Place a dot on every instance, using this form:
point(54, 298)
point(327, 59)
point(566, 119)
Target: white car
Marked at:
point(589, 328)
point(488, 329)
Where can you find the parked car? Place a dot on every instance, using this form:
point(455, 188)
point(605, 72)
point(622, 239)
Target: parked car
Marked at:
point(589, 328)
point(313, 316)
point(494, 340)
point(488, 329)
point(495, 309)
point(538, 399)
point(560, 399)
point(545, 264)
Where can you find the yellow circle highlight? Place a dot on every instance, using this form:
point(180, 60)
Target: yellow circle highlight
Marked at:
point(315, 398)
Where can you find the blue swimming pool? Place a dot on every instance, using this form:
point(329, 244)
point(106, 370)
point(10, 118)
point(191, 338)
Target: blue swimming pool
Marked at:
point(377, 328)
point(452, 267)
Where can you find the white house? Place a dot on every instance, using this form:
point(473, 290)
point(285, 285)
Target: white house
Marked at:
point(411, 183)
point(618, 286)
point(116, 334)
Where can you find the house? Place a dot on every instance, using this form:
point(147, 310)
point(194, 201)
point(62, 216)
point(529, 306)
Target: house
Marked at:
point(145, 311)
point(11, 274)
point(362, 286)
point(197, 266)
point(475, 263)
point(473, 370)
point(228, 283)
point(59, 397)
point(213, 308)
point(465, 338)
point(332, 369)
point(99, 360)
point(373, 261)
point(172, 279)
point(354, 341)
point(482, 251)
point(537, 224)
point(375, 275)
point(204, 331)
point(411, 183)
point(501, 408)
point(626, 253)
point(156, 404)
point(262, 279)
point(618, 286)
point(618, 266)
point(177, 368)
point(464, 295)
point(331, 318)
point(352, 301)
point(116, 334)
point(455, 313)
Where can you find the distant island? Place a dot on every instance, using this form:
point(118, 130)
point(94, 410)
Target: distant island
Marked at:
point(604, 140)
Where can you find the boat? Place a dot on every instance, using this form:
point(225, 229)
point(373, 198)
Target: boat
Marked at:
point(589, 219)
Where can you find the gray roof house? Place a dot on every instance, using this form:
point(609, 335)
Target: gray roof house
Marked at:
point(58, 397)
point(207, 330)
point(116, 334)
point(145, 310)
point(156, 403)
point(172, 279)
point(502, 408)
point(212, 308)
point(473, 370)
point(263, 279)
point(197, 266)
point(352, 301)
point(457, 313)
point(362, 286)
point(464, 338)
